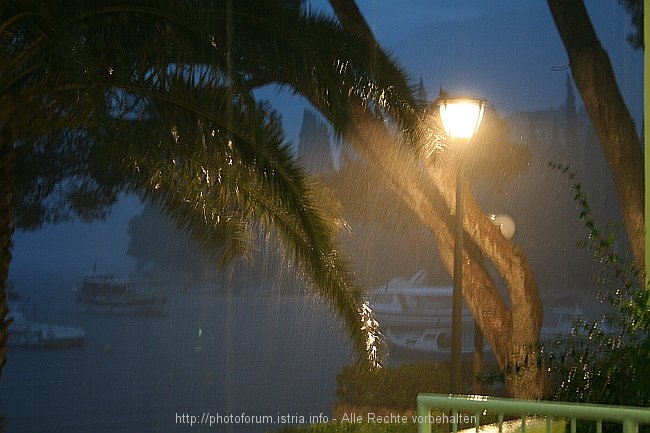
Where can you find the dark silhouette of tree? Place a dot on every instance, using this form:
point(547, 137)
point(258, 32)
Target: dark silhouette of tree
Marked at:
point(166, 253)
point(594, 77)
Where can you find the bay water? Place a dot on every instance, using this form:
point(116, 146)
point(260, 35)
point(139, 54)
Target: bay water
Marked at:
point(215, 361)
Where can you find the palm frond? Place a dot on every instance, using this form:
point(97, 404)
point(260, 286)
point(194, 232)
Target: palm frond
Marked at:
point(152, 97)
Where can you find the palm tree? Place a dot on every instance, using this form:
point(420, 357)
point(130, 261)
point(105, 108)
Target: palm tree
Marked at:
point(152, 98)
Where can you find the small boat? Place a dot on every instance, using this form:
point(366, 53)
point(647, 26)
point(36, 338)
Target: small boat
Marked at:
point(120, 294)
point(417, 318)
point(432, 344)
point(559, 321)
point(25, 333)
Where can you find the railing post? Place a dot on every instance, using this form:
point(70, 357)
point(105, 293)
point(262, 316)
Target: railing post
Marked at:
point(630, 426)
point(424, 424)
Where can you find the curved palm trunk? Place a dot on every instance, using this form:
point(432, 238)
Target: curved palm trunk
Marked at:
point(517, 336)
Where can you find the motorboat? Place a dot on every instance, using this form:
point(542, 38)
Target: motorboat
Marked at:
point(26, 333)
point(417, 318)
point(432, 344)
point(435, 343)
point(120, 294)
point(560, 322)
point(412, 304)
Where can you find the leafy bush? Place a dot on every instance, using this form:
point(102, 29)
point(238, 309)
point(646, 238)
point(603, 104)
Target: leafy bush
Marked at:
point(607, 361)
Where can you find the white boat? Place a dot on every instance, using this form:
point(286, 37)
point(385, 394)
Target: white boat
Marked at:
point(412, 304)
point(435, 343)
point(26, 333)
point(432, 344)
point(120, 294)
point(417, 319)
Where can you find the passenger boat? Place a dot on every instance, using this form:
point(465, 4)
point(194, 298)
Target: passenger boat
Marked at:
point(120, 294)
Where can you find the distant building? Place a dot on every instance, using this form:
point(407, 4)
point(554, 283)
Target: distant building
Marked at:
point(315, 150)
point(565, 135)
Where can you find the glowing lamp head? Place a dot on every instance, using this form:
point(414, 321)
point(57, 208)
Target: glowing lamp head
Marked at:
point(461, 117)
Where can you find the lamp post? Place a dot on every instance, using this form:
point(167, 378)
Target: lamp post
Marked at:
point(461, 118)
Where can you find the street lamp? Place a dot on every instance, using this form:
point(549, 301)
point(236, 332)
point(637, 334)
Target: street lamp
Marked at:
point(461, 118)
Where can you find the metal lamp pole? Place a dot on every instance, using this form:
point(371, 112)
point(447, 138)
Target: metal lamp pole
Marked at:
point(461, 118)
point(457, 294)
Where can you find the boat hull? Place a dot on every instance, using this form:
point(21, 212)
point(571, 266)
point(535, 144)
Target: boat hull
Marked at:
point(412, 305)
point(417, 319)
point(432, 344)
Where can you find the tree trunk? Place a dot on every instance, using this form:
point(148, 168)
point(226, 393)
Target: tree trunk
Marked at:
point(513, 332)
point(517, 351)
point(595, 80)
point(6, 232)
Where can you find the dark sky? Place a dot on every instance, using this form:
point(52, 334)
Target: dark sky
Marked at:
point(506, 51)
point(503, 50)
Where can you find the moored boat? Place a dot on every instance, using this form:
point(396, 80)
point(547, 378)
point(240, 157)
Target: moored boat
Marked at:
point(417, 319)
point(412, 304)
point(26, 333)
point(432, 344)
point(120, 294)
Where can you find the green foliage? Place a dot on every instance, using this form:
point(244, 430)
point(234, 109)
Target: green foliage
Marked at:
point(606, 362)
point(396, 387)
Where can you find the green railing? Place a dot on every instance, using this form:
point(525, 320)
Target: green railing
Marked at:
point(550, 415)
